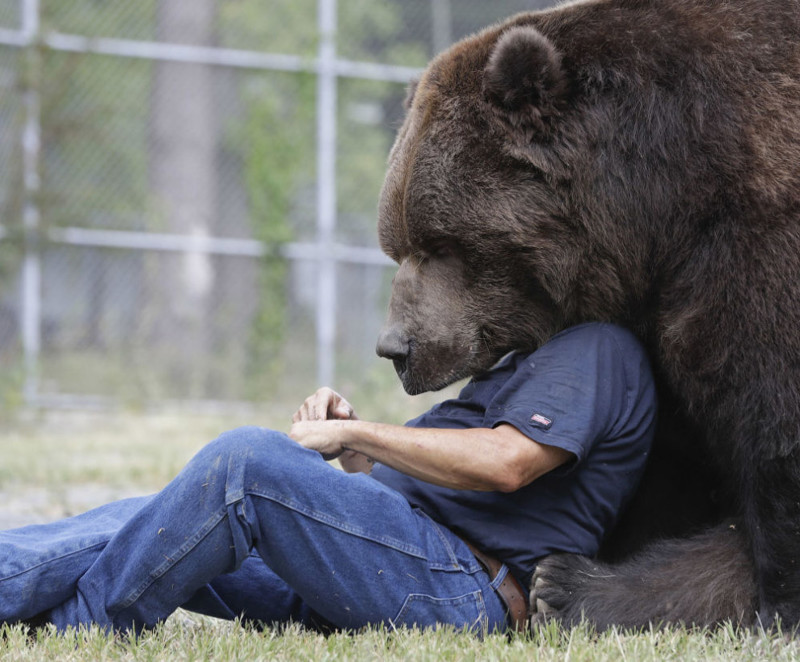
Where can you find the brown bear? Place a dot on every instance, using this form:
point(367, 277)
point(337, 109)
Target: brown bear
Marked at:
point(633, 161)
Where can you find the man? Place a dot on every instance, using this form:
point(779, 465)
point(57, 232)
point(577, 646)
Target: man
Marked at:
point(538, 455)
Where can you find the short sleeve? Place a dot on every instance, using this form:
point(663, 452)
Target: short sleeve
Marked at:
point(589, 383)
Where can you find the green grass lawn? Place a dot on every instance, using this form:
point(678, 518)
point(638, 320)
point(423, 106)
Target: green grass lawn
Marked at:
point(188, 637)
point(62, 464)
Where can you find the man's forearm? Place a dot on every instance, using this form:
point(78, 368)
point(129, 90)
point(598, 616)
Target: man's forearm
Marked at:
point(477, 459)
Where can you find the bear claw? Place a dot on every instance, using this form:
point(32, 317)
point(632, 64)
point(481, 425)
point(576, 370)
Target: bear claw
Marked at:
point(541, 610)
point(559, 587)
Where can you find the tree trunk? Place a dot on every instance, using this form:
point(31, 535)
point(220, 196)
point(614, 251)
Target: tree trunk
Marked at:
point(183, 149)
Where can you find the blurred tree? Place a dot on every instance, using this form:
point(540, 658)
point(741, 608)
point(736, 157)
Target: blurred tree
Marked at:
point(93, 170)
point(184, 134)
point(93, 119)
point(272, 26)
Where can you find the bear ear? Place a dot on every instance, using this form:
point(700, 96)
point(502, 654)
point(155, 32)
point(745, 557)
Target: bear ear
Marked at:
point(524, 79)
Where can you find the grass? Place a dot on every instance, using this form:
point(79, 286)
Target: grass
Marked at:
point(187, 637)
point(60, 464)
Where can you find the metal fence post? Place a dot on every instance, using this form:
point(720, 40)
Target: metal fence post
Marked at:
point(326, 191)
point(32, 265)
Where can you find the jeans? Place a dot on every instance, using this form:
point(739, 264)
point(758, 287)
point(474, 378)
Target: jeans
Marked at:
point(258, 526)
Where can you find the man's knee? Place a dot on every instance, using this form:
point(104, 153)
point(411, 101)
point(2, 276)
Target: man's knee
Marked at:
point(244, 442)
point(246, 457)
point(226, 462)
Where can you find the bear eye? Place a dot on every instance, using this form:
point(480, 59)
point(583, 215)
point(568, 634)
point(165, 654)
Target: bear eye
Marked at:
point(441, 249)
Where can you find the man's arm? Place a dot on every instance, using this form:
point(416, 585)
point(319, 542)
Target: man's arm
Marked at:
point(485, 459)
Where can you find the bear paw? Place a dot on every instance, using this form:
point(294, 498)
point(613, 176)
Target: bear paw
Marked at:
point(560, 586)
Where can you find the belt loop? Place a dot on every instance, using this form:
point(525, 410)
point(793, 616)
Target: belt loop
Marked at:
point(509, 590)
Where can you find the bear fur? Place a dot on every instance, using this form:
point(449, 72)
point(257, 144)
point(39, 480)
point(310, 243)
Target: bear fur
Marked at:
point(638, 162)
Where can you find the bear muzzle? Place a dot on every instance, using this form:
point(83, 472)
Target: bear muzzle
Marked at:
point(395, 346)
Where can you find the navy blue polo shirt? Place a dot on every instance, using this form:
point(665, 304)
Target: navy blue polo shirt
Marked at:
point(588, 390)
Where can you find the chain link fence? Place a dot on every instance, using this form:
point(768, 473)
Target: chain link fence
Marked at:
point(188, 192)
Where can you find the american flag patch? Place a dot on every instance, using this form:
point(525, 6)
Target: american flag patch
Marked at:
point(540, 420)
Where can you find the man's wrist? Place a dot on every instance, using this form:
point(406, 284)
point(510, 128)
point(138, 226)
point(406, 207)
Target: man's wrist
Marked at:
point(362, 437)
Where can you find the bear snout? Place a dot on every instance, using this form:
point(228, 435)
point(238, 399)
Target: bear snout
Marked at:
point(392, 344)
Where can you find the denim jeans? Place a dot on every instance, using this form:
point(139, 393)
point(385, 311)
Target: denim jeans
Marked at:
point(254, 525)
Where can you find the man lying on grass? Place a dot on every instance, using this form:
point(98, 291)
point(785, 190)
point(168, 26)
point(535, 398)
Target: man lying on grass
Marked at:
point(539, 455)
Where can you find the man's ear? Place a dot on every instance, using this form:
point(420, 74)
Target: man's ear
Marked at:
point(524, 80)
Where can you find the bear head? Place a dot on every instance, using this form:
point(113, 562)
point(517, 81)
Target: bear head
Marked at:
point(476, 211)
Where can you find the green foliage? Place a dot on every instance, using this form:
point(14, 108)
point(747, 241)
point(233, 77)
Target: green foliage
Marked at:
point(12, 378)
point(94, 112)
point(130, 20)
point(12, 245)
point(277, 144)
point(361, 158)
point(378, 31)
point(273, 26)
point(12, 187)
point(94, 118)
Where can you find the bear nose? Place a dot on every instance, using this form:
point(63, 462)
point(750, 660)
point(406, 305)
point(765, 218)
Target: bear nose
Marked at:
point(392, 345)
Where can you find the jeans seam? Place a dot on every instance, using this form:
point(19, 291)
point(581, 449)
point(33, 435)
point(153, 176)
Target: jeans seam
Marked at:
point(454, 563)
point(326, 519)
point(50, 560)
point(471, 598)
point(209, 525)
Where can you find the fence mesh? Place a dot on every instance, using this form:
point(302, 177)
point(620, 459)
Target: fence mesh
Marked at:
point(143, 154)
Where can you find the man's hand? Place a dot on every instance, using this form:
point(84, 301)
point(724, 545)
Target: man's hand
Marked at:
point(324, 405)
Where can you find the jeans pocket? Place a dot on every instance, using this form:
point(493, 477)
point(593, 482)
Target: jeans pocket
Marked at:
point(466, 611)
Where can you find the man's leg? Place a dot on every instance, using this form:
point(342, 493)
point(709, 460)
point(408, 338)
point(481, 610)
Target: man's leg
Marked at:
point(353, 550)
point(242, 594)
point(40, 565)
